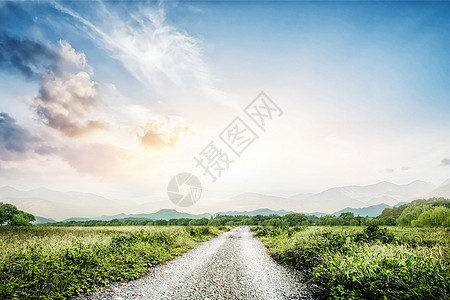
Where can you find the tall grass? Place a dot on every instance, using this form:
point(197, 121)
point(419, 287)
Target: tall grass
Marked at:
point(353, 263)
point(59, 262)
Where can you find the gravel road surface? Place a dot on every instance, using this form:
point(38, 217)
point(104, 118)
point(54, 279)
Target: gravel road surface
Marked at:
point(233, 265)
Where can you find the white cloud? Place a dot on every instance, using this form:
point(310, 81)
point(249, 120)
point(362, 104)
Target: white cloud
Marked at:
point(152, 50)
point(78, 59)
point(162, 133)
point(65, 104)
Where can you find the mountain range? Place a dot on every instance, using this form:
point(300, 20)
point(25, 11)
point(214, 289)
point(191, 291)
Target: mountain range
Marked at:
point(63, 205)
point(57, 205)
point(338, 198)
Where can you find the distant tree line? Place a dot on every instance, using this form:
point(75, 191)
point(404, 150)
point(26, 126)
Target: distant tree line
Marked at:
point(343, 219)
point(430, 212)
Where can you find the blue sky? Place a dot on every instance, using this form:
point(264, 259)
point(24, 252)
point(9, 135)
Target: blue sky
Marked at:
point(124, 94)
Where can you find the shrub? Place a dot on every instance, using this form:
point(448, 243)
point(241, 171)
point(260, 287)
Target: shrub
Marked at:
point(373, 233)
point(402, 263)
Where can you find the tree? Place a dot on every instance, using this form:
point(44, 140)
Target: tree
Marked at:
point(295, 219)
point(438, 216)
point(22, 219)
point(347, 217)
point(199, 222)
point(10, 215)
point(161, 222)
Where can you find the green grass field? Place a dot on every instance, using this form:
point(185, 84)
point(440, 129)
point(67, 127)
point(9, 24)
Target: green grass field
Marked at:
point(59, 262)
point(356, 263)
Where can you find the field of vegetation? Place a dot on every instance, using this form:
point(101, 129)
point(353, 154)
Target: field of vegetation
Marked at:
point(39, 262)
point(367, 263)
point(351, 256)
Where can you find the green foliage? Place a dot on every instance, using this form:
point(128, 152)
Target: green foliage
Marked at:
point(419, 213)
point(437, 216)
point(10, 215)
point(275, 230)
point(6, 212)
point(374, 233)
point(22, 219)
point(179, 222)
point(374, 263)
point(344, 219)
point(218, 220)
point(198, 231)
point(425, 208)
point(60, 262)
point(161, 222)
point(393, 212)
point(199, 222)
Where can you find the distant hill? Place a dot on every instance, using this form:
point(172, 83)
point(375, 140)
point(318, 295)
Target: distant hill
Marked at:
point(441, 191)
point(41, 220)
point(53, 204)
point(167, 214)
point(336, 199)
point(264, 212)
point(370, 211)
point(164, 214)
point(253, 201)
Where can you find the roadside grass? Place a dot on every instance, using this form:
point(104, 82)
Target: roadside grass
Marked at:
point(60, 262)
point(371, 263)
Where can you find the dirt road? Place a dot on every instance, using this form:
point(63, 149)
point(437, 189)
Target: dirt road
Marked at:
point(234, 265)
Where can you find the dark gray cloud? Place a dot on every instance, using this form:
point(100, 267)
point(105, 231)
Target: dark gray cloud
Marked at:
point(15, 141)
point(31, 58)
point(445, 162)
